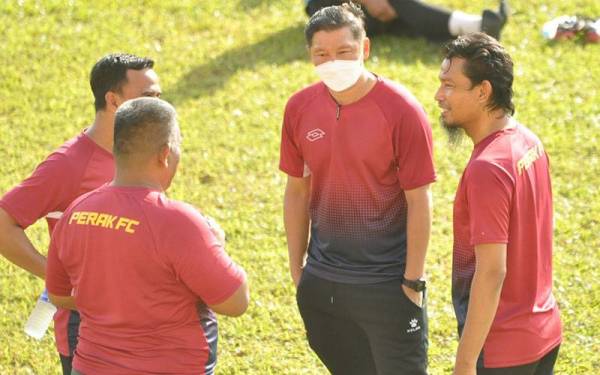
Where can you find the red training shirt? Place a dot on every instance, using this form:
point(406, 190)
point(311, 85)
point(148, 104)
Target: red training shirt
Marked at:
point(77, 167)
point(505, 196)
point(139, 264)
point(361, 158)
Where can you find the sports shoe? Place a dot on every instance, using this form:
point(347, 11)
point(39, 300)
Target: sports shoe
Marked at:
point(572, 27)
point(591, 31)
point(492, 22)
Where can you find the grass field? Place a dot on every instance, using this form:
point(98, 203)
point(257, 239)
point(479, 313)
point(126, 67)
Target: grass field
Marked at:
point(229, 67)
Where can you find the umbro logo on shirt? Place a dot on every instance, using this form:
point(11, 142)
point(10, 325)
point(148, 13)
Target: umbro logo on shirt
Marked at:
point(315, 134)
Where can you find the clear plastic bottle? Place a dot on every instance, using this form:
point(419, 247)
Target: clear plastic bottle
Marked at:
point(40, 317)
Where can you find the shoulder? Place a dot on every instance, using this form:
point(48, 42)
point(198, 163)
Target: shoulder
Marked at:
point(397, 93)
point(179, 215)
point(486, 170)
point(527, 134)
point(78, 144)
point(73, 152)
point(398, 104)
point(181, 224)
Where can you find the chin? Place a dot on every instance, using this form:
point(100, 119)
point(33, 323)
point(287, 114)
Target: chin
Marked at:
point(448, 124)
point(454, 132)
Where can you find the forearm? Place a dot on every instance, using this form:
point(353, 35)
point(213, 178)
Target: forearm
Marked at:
point(483, 303)
point(64, 302)
point(16, 247)
point(296, 221)
point(418, 229)
point(236, 304)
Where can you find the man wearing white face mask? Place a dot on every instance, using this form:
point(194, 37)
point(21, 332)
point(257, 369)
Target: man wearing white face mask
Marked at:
point(358, 152)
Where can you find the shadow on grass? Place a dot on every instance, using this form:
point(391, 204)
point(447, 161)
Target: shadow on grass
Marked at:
point(281, 47)
point(407, 50)
point(249, 4)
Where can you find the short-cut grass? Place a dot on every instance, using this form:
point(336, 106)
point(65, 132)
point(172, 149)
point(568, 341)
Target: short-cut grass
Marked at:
point(229, 67)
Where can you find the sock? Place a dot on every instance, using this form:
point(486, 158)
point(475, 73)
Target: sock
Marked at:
point(463, 23)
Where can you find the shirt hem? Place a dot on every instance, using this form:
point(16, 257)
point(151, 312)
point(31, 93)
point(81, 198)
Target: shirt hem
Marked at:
point(291, 172)
point(351, 279)
point(426, 181)
point(523, 361)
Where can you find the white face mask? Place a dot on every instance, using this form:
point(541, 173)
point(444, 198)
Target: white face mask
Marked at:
point(340, 75)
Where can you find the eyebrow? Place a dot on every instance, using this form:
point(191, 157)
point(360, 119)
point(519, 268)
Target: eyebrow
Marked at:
point(343, 46)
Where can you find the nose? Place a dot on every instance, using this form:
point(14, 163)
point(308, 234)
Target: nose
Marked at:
point(439, 95)
point(328, 58)
point(318, 60)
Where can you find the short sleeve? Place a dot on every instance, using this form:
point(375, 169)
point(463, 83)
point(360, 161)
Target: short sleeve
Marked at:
point(290, 159)
point(45, 191)
point(413, 145)
point(489, 194)
point(57, 279)
point(201, 263)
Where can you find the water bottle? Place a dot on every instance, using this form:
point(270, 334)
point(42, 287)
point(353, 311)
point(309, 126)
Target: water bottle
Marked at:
point(40, 317)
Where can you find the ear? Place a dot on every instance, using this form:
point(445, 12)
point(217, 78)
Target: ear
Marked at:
point(112, 101)
point(163, 156)
point(485, 91)
point(366, 48)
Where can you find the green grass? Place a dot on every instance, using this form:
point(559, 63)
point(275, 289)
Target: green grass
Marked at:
point(229, 67)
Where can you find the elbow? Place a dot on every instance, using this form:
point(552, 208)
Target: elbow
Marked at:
point(236, 305)
point(243, 304)
point(243, 301)
point(497, 275)
point(240, 310)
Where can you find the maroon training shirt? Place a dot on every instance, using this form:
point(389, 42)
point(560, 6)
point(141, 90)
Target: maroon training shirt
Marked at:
point(505, 197)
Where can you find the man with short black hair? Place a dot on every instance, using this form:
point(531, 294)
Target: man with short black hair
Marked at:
point(137, 264)
point(358, 152)
point(78, 166)
point(508, 319)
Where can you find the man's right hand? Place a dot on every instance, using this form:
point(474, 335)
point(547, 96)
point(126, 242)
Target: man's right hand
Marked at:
point(296, 273)
point(17, 248)
point(296, 221)
point(414, 296)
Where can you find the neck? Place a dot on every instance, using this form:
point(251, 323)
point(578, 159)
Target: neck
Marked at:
point(489, 123)
point(136, 177)
point(361, 88)
point(102, 130)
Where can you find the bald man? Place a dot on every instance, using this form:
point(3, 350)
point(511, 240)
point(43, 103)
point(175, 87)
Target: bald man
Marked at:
point(144, 271)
